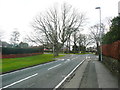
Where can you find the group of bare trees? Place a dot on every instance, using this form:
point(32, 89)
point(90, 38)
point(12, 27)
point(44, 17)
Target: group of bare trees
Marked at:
point(81, 41)
point(15, 38)
point(56, 26)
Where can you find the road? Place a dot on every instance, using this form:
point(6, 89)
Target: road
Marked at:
point(47, 75)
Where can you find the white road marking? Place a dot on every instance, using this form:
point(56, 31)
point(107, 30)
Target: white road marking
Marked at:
point(73, 58)
point(27, 68)
point(54, 66)
point(96, 56)
point(86, 56)
point(62, 59)
point(68, 75)
point(68, 59)
point(19, 81)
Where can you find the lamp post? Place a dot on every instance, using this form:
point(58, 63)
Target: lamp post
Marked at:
point(100, 55)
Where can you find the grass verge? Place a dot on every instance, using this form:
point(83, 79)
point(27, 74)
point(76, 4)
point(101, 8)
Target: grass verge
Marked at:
point(11, 64)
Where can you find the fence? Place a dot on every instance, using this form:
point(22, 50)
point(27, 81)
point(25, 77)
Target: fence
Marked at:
point(112, 50)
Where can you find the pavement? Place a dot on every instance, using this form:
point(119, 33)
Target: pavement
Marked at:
point(92, 74)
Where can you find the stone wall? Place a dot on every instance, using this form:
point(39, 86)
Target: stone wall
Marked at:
point(112, 64)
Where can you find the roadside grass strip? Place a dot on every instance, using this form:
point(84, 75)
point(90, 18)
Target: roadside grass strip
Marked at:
point(12, 64)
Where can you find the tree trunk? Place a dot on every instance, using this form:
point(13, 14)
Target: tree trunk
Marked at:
point(56, 54)
point(67, 50)
point(56, 50)
point(69, 46)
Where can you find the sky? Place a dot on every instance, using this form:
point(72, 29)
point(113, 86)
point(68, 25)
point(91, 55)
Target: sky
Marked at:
point(19, 14)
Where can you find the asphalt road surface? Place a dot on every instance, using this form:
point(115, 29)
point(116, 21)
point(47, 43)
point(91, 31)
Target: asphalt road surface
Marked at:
point(47, 75)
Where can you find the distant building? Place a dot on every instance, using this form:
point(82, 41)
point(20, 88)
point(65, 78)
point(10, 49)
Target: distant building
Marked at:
point(23, 45)
point(5, 44)
point(119, 8)
point(91, 49)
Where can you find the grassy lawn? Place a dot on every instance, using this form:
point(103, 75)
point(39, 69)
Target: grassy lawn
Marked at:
point(11, 64)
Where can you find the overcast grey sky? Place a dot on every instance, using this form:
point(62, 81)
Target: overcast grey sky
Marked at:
point(18, 14)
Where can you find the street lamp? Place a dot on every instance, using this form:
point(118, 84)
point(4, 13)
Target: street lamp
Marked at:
point(100, 56)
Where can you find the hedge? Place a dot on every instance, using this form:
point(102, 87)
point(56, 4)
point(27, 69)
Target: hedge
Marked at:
point(6, 51)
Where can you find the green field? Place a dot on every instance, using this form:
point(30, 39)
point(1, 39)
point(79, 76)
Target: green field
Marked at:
point(11, 64)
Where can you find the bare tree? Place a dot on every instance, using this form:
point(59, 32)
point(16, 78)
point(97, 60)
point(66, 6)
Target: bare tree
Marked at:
point(75, 42)
point(15, 38)
point(108, 22)
point(95, 35)
point(57, 27)
point(36, 39)
point(83, 41)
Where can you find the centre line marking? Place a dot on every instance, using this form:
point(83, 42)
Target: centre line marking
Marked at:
point(28, 68)
point(54, 67)
point(19, 81)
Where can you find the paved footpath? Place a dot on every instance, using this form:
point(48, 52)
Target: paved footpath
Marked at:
point(92, 74)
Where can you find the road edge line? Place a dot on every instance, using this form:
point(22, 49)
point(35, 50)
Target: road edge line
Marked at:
point(68, 75)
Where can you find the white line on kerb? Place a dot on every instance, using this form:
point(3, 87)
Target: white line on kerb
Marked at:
point(54, 67)
point(68, 75)
point(19, 81)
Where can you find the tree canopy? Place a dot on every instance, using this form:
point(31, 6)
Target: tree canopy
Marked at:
point(114, 33)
